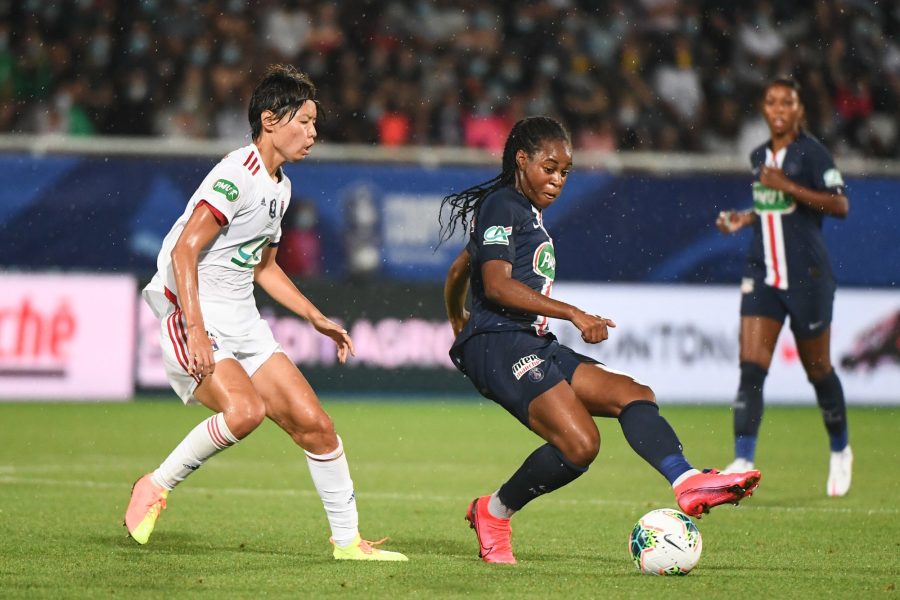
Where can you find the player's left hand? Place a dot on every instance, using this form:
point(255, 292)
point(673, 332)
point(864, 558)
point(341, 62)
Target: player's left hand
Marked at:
point(775, 179)
point(341, 338)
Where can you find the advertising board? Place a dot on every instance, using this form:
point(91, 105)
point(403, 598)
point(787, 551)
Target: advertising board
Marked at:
point(683, 341)
point(66, 337)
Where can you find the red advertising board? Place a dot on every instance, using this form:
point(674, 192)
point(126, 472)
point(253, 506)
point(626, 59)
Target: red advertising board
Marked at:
point(66, 337)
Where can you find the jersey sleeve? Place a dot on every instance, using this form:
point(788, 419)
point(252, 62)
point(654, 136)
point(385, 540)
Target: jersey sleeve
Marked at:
point(285, 202)
point(277, 238)
point(224, 190)
point(495, 231)
point(825, 175)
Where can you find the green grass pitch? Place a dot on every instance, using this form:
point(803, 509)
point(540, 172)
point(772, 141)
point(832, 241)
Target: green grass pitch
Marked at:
point(249, 524)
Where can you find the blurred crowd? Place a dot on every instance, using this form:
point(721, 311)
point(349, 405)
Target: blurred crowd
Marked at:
point(668, 75)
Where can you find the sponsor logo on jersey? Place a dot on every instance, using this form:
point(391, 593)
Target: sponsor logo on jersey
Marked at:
point(525, 364)
point(832, 178)
point(227, 189)
point(497, 235)
point(544, 262)
point(765, 199)
point(250, 253)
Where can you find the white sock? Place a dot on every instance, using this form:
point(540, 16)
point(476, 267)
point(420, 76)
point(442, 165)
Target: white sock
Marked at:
point(498, 509)
point(203, 442)
point(331, 476)
point(683, 476)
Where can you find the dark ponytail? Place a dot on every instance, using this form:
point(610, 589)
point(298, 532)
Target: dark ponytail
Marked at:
point(528, 135)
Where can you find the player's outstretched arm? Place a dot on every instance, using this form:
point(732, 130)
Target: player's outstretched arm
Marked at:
point(500, 288)
point(455, 288)
point(270, 277)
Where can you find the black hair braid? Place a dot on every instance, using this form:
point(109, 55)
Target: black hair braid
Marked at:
point(528, 135)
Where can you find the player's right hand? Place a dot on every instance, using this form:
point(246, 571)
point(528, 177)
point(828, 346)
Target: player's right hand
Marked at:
point(594, 328)
point(729, 221)
point(200, 361)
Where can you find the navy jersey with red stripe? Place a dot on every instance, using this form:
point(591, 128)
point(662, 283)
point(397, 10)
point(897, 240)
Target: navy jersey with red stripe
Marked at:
point(507, 227)
point(788, 249)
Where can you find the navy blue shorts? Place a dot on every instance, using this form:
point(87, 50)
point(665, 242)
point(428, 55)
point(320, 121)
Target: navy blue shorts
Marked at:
point(512, 368)
point(809, 306)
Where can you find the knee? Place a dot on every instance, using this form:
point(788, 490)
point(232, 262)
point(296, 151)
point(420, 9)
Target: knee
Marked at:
point(637, 392)
point(644, 392)
point(244, 419)
point(315, 434)
point(817, 372)
point(582, 449)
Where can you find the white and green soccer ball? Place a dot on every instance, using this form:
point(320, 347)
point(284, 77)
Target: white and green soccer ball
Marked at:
point(665, 542)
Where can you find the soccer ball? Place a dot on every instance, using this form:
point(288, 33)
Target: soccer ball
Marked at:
point(665, 542)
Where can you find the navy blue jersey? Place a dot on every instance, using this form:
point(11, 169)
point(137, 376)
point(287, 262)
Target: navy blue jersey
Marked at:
point(507, 227)
point(787, 248)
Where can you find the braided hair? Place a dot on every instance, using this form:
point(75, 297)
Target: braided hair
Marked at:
point(528, 135)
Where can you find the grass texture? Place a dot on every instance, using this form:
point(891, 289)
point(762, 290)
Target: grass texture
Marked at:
point(249, 523)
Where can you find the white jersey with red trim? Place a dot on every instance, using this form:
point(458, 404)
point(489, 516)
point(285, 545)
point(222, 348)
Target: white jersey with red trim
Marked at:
point(249, 206)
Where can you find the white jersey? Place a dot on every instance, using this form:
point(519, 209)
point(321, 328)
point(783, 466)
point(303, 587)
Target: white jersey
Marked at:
point(249, 205)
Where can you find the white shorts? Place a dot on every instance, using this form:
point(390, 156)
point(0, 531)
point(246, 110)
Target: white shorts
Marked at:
point(251, 348)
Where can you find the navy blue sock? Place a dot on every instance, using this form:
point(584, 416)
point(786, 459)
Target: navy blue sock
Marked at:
point(748, 410)
point(745, 447)
point(545, 470)
point(830, 396)
point(654, 440)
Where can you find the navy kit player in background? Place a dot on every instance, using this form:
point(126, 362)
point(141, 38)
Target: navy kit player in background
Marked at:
point(217, 349)
point(505, 349)
point(788, 273)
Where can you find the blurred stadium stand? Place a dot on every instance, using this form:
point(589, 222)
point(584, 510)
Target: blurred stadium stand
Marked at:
point(111, 112)
point(666, 75)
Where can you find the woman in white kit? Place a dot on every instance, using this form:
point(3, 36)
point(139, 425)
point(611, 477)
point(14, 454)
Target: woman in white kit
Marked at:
point(217, 349)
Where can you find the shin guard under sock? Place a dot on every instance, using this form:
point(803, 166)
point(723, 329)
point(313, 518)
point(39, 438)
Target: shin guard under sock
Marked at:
point(654, 440)
point(830, 396)
point(748, 410)
point(545, 470)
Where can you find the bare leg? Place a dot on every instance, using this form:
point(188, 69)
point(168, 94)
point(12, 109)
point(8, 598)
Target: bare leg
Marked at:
point(292, 404)
point(238, 411)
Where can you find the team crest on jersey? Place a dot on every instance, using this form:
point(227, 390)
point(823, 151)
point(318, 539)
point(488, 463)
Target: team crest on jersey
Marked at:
point(497, 234)
point(213, 342)
point(227, 189)
point(544, 262)
point(765, 199)
point(526, 364)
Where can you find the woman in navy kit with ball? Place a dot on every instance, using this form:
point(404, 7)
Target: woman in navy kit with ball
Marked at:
point(788, 273)
point(504, 347)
